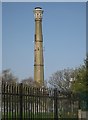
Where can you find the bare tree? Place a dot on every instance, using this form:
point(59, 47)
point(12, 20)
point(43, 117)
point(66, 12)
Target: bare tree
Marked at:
point(28, 81)
point(7, 76)
point(62, 79)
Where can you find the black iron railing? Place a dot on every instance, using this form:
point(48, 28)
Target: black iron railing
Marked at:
point(22, 102)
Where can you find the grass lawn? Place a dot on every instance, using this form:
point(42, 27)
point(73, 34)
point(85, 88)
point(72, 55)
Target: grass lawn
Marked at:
point(10, 116)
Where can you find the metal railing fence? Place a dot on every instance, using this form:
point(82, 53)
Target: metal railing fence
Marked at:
point(22, 102)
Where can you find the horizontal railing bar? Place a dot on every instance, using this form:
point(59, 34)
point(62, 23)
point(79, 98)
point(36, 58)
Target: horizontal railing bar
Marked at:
point(40, 96)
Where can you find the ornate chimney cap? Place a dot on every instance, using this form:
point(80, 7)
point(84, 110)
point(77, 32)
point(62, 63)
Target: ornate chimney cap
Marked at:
point(38, 11)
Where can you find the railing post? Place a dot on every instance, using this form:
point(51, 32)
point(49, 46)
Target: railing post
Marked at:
point(21, 104)
point(55, 105)
point(1, 98)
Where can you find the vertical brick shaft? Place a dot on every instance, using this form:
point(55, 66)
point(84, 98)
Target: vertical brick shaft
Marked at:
point(38, 48)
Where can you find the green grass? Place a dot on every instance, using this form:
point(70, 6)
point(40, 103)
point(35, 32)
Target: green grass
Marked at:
point(27, 115)
point(40, 115)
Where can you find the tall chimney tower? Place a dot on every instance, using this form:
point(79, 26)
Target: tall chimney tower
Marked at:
point(38, 48)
